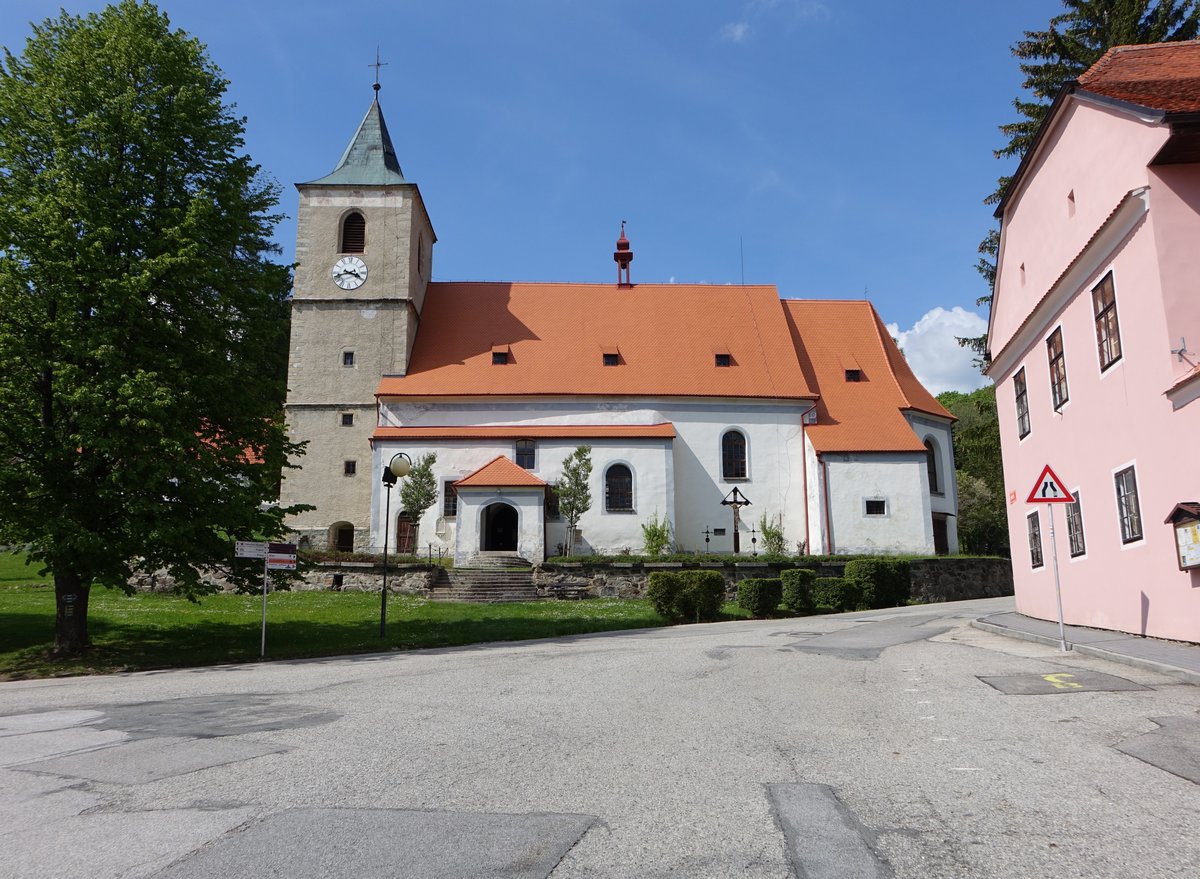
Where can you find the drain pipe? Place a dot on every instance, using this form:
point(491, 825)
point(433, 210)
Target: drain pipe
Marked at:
point(828, 525)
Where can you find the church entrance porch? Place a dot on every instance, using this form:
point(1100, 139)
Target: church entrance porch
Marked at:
point(499, 532)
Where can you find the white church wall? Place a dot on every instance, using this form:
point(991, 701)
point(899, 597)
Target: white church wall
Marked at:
point(946, 501)
point(898, 479)
point(682, 481)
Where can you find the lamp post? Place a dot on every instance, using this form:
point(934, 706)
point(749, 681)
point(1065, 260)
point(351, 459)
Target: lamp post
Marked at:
point(736, 500)
point(397, 468)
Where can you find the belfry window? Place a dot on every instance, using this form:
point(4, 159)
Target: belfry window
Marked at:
point(354, 233)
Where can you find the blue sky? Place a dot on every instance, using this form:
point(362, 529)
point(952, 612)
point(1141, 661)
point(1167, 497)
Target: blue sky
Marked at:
point(836, 149)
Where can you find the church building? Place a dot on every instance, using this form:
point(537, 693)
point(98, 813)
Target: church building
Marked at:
point(688, 396)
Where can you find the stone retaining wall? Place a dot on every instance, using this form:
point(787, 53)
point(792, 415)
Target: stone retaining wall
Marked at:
point(933, 580)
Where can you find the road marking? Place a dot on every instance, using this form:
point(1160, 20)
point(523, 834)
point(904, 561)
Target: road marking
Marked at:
point(1057, 681)
point(966, 769)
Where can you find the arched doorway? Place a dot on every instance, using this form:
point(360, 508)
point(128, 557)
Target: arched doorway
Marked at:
point(499, 531)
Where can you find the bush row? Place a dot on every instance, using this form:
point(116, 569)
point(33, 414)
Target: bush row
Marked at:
point(686, 596)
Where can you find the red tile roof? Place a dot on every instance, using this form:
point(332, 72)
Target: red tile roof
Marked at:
point(500, 472)
point(557, 334)
point(864, 416)
point(1162, 76)
point(664, 430)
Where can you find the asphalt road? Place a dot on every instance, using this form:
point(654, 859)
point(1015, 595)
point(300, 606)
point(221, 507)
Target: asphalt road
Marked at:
point(860, 745)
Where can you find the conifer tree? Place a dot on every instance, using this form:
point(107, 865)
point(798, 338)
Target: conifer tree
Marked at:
point(1075, 40)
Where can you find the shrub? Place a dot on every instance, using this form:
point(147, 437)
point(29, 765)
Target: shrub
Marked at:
point(686, 596)
point(836, 593)
point(703, 595)
point(656, 536)
point(662, 589)
point(771, 529)
point(882, 582)
point(797, 590)
point(760, 596)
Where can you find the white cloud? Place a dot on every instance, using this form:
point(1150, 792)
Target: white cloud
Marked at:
point(934, 354)
point(735, 31)
point(800, 10)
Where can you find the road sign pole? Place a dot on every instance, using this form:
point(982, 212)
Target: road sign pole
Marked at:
point(266, 565)
point(1062, 635)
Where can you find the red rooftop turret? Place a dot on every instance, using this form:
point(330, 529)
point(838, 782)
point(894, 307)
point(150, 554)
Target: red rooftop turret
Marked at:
point(623, 257)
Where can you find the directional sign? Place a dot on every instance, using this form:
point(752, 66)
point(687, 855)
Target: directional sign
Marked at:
point(251, 549)
point(1049, 489)
point(281, 557)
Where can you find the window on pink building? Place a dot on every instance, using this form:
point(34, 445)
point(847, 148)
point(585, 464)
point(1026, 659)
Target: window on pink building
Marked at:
point(1058, 369)
point(1075, 527)
point(1022, 393)
point(1035, 540)
point(1108, 333)
point(1128, 508)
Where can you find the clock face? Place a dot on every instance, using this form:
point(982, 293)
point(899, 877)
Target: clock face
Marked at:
point(349, 272)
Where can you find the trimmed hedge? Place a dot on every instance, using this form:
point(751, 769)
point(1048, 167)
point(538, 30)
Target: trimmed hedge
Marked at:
point(882, 582)
point(797, 590)
point(686, 596)
point(760, 595)
point(836, 593)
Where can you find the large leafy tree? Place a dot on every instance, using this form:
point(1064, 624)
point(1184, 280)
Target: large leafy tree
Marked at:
point(1074, 41)
point(139, 310)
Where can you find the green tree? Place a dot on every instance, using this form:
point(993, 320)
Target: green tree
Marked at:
point(574, 491)
point(418, 491)
point(1075, 40)
point(982, 521)
point(139, 311)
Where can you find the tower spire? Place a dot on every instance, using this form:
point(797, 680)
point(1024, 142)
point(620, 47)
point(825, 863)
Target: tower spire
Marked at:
point(623, 257)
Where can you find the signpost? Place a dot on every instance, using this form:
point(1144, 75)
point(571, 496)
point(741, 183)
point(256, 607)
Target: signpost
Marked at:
point(1049, 489)
point(276, 557)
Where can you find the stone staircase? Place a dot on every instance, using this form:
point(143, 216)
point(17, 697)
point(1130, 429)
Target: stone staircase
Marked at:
point(488, 577)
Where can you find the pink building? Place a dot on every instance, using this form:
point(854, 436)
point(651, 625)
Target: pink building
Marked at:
point(1095, 344)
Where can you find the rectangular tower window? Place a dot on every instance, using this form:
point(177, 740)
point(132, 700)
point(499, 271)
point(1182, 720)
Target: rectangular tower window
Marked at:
point(1035, 540)
point(349, 468)
point(449, 499)
point(1058, 369)
point(1075, 527)
point(347, 419)
point(1128, 508)
point(347, 358)
point(1022, 394)
point(875, 507)
point(525, 453)
point(1108, 334)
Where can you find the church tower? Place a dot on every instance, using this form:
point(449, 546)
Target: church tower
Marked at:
point(364, 254)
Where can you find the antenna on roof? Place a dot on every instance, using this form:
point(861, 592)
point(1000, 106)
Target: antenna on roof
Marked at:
point(742, 257)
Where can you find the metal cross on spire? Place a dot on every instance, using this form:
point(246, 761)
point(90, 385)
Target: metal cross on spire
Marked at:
point(377, 65)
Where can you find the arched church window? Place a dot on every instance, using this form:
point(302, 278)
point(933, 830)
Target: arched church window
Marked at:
point(354, 233)
point(618, 489)
point(935, 486)
point(733, 455)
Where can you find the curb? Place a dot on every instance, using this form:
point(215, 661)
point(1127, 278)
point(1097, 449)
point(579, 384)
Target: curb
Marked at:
point(1183, 674)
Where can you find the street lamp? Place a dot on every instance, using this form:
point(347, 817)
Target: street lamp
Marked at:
point(397, 468)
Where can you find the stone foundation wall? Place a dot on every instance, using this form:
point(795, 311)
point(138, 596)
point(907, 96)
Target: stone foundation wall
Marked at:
point(933, 580)
point(333, 576)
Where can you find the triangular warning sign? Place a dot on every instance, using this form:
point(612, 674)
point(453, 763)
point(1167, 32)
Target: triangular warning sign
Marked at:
point(1049, 489)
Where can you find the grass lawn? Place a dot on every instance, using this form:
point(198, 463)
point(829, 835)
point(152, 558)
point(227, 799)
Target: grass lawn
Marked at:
point(148, 631)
